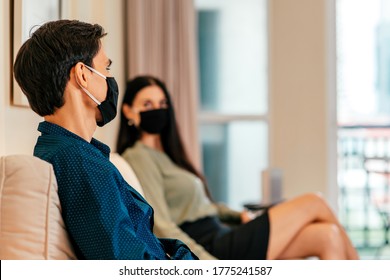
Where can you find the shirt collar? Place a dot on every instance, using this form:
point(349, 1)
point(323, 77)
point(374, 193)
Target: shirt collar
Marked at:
point(53, 129)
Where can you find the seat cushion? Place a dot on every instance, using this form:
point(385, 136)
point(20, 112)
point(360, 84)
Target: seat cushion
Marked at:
point(126, 171)
point(31, 225)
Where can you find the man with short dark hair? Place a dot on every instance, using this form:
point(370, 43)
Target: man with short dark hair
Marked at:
point(64, 72)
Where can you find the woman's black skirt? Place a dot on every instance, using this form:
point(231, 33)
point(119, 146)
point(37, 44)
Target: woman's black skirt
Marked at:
point(244, 242)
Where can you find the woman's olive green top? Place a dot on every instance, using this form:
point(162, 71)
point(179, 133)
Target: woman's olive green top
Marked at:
point(176, 195)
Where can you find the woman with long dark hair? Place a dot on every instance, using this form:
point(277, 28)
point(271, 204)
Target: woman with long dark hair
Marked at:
point(150, 141)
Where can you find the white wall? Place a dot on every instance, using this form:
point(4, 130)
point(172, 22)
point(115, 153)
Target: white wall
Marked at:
point(3, 68)
point(18, 125)
point(300, 99)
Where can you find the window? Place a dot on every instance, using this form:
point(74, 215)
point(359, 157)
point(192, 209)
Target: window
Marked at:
point(363, 92)
point(232, 37)
point(363, 40)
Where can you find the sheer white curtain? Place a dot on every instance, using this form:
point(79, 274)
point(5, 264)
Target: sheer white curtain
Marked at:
point(161, 41)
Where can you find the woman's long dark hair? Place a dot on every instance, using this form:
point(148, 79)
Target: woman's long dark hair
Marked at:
point(170, 136)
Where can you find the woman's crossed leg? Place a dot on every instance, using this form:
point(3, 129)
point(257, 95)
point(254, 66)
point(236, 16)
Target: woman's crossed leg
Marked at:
point(306, 226)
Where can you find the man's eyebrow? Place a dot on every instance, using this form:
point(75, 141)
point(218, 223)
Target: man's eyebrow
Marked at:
point(109, 63)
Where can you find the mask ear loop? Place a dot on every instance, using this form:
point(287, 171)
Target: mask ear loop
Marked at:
point(95, 71)
point(88, 93)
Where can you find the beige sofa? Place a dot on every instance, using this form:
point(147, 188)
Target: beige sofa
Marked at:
point(31, 225)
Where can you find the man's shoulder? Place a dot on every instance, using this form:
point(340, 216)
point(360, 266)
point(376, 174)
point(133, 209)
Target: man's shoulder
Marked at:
point(49, 146)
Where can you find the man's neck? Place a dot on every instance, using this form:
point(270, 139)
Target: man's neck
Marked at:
point(85, 129)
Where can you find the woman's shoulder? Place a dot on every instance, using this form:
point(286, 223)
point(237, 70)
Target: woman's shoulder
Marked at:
point(137, 150)
point(138, 153)
point(141, 155)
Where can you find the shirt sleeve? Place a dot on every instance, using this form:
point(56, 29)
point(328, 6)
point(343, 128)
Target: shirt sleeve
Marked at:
point(151, 180)
point(103, 222)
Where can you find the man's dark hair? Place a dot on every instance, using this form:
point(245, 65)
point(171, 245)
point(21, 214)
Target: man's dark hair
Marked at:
point(43, 63)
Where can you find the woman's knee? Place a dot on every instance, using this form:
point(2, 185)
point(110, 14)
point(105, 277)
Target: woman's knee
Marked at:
point(317, 201)
point(315, 197)
point(331, 240)
point(331, 234)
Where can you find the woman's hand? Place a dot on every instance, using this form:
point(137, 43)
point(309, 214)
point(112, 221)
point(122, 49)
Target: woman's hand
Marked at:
point(247, 216)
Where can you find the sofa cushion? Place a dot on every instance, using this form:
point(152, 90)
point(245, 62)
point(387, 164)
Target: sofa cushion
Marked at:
point(126, 171)
point(31, 225)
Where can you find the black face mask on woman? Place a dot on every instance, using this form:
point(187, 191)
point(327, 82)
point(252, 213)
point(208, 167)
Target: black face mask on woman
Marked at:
point(154, 121)
point(108, 108)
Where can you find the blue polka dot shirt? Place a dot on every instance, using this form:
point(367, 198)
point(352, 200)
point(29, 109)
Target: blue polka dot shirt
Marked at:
point(105, 217)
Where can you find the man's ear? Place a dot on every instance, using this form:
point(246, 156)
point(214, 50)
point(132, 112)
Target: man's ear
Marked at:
point(80, 77)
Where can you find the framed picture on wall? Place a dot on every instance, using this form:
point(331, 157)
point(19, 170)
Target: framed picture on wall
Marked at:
point(28, 15)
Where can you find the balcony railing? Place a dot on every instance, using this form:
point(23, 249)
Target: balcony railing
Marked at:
point(364, 179)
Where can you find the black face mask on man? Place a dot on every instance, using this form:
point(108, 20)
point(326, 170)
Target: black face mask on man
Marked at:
point(154, 121)
point(108, 108)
